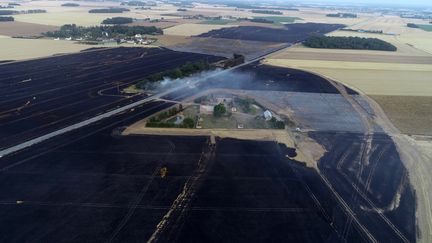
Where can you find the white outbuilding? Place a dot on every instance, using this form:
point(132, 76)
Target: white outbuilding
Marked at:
point(267, 115)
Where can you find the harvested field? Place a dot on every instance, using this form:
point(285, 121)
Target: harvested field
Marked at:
point(359, 65)
point(21, 49)
point(420, 40)
point(57, 15)
point(292, 33)
point(35, 100)
point(350, 56)
point(212, 46)
point(410, 114)
point(395, 79)
point(402, 46)
point(80, 17)
point(24, 29)
point(193, 29)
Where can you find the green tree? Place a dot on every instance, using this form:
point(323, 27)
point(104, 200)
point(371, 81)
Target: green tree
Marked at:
point(188, 122)
point(219, 110)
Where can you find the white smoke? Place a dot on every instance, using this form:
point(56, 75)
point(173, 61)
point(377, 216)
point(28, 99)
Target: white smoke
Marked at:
point(217, 78)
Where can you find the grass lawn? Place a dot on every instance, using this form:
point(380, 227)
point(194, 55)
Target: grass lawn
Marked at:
point(425, 27)
point(209, 121)
point(217, 21)
point(191, 111)
point(279, 19)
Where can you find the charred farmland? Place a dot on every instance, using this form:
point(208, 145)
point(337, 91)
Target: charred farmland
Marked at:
point(291, 33)
point(42, 95)
point(107, 187)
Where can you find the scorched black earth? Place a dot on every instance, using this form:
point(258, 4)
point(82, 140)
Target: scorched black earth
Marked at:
point(291, 33)
point(43, 95)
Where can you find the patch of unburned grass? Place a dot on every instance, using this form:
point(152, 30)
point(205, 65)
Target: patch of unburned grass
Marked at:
point(226, 122)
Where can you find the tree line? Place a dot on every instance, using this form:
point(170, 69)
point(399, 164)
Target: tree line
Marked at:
point(70, 5)
point(7, 19)
point(118, 20)
point(333, 42)
point(95, 32)
point(260, 11)
point(30, 11)
point(342, 15)
point(109, 10)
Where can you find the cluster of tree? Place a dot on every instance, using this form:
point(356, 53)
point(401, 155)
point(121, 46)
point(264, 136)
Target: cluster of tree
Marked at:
point(232, 62)
point(30, 11)
point(412, 25)
point(262, 11)
point(139, 3)
point(164, 115)
point(183, 71)
point(158, 121)
point(70, 5)
point(182, 10)
point(260, 20)
point(134, 3)
point(275, 124)
point(6, 19)
point(333, 42)
point(342, 15)
point(109, 10)
point(143, 8)
point(117, 20)
point(8, 12)
point(219, 110)
point(245, 104)
point(95, 32)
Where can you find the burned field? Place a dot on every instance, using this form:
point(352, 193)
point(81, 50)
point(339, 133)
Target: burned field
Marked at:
point(257, 76)
point(291, 33)
point(43, 95)
point(379, 192)
point(108, 188)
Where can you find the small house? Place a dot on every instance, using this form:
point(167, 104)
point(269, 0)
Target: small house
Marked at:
point(267, 115)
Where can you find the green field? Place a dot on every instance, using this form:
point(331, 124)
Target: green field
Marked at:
point(425, 27)
point(279, 19)
point(217, 21)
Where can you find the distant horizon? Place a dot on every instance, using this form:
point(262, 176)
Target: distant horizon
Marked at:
point(397, 3)
point(386, 3)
